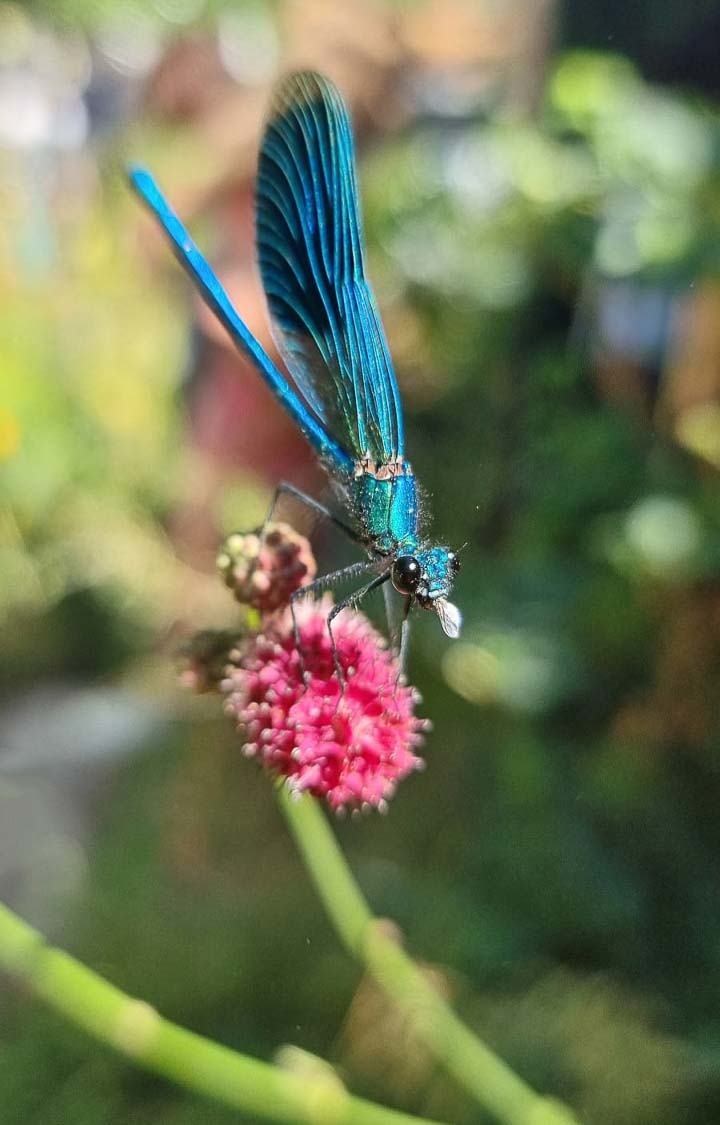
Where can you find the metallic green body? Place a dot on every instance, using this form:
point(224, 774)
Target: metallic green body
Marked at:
point(387, 510)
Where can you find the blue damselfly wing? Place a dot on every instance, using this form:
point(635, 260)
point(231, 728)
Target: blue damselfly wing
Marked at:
point(311, 259)
point(195, 265)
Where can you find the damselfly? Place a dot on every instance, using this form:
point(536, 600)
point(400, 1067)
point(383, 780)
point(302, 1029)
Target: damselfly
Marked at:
point(343, 394)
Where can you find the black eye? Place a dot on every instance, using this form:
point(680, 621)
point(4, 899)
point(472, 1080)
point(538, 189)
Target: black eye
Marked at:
point(406, 574)
point(454, 561)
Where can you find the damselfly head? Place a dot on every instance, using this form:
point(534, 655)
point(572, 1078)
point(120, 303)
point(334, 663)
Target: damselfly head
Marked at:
point(428, 576)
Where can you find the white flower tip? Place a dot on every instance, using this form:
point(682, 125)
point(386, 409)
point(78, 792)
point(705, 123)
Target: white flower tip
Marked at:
point(450, 617)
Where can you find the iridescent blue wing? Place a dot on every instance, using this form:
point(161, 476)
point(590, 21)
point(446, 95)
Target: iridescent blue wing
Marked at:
point(195, 265)
point(311, 260)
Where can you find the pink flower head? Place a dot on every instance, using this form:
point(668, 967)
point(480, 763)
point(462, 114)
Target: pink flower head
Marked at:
point(264, 573)
point(351, 747)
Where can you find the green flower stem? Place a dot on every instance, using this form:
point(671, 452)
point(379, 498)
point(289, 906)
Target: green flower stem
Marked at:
point(136, 1030)
point(474, 1065)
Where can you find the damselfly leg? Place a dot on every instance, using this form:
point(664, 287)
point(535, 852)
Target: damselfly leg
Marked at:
point(399, 632)
point(352, 600)
point(287, 489)
point(316, 587)
point(404, 635)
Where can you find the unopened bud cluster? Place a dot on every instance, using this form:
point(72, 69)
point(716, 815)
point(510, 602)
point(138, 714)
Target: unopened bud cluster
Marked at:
point(263, 570)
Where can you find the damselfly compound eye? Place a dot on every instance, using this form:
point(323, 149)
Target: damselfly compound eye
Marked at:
point(406, 574)
point(454, 561)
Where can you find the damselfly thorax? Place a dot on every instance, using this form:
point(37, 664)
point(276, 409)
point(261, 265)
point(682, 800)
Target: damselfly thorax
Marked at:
point(384, 497)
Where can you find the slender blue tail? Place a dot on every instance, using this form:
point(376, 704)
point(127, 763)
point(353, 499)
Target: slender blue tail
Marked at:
point(205, 280)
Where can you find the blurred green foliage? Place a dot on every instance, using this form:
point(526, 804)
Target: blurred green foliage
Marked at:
point(557, 862)
point(90, 365)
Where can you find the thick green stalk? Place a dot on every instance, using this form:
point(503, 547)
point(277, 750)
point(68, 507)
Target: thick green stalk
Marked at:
point(136, 1030)
point(491, 1082)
